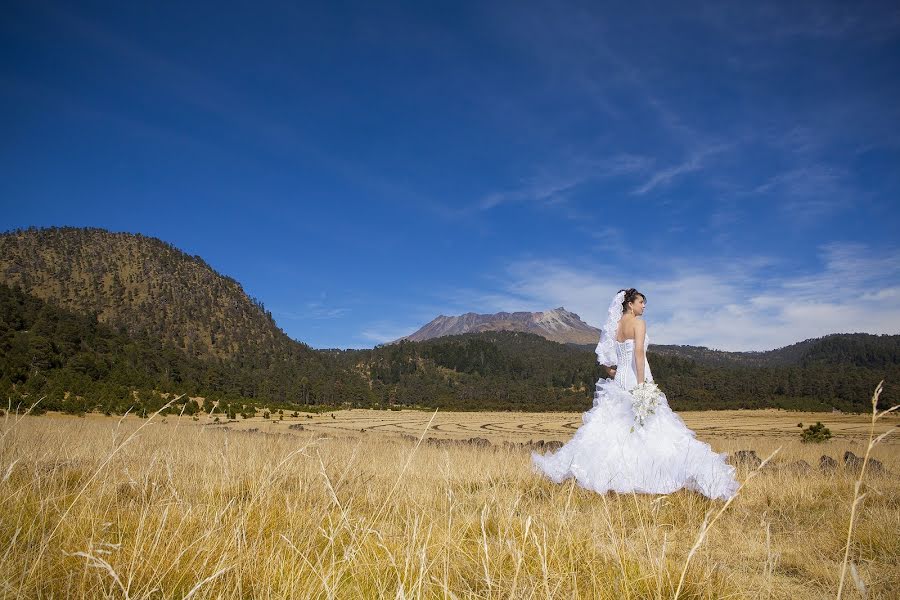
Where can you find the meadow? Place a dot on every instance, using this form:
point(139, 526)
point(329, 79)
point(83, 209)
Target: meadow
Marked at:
point(360, 504)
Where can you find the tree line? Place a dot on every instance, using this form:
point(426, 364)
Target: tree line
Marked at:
point(78, 364)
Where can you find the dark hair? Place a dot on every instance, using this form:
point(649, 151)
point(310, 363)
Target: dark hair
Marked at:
point(631, 295)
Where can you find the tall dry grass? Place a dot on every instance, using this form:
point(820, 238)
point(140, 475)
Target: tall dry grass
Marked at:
point(101, 508)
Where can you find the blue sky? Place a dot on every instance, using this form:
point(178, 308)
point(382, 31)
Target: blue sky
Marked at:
point(364, 167)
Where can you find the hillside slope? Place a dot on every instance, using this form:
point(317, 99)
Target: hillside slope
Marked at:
point(859, 349)
point(141, 285)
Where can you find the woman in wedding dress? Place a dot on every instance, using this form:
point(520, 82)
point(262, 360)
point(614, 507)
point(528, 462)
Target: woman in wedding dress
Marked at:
point(612, 450)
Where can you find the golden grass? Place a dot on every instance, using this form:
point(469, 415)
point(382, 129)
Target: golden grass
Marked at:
point(756, 426)
point(187, 508)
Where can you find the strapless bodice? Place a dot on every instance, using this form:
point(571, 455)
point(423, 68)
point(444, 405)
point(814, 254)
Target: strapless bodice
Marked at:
point(626, 370)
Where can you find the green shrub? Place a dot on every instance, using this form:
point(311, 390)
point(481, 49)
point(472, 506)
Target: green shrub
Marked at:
point(815, 433)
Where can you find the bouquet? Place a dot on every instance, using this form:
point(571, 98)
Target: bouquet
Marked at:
point(644, 399)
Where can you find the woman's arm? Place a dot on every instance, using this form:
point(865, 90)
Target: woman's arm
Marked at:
point(640, 354)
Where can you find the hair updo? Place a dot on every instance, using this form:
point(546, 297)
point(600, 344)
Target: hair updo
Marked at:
point(631, 295)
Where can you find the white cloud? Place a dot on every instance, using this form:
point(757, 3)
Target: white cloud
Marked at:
point(381, 332)
point(729, 305)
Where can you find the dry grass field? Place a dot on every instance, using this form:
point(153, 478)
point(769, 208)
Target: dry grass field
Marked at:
point(724, 426)
point(351, 506)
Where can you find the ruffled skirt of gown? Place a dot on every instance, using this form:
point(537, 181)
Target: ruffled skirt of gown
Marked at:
point(658, 458)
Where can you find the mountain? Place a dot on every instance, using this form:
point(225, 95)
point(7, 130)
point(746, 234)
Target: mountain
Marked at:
point(558, 325)
point(141, 285)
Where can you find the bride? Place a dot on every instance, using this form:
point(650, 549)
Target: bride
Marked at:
point(614, 449)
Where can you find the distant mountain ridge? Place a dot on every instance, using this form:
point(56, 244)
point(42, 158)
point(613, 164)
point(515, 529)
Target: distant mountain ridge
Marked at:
point(834, 348)
point(558, 325)
point(787, 355)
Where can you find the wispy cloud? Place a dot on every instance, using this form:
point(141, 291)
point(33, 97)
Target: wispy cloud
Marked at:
point(570, 49)
point(666, 175)
point(799, 141)
point(868, 22)
point(696, 161)
point(606, 238)
point(553, 183)
point(809, 192)
point(315, 310)
point(382, 332)
point(851, 270)
point(535, 190)
point(814, 180)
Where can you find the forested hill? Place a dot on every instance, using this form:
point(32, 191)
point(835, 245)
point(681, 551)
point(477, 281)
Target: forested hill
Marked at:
point(79, 365)
point(523, 371)
point(706, 356)
point(861, 349)
point(494, 370)
point(143, 285)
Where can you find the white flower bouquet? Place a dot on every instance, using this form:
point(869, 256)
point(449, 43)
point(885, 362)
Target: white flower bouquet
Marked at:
point(644, 400)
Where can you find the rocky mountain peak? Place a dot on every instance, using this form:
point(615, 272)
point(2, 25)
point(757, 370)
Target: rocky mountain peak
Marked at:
point(558, 325)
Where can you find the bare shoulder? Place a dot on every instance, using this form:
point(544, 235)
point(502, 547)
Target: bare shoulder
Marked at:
point(640, 326)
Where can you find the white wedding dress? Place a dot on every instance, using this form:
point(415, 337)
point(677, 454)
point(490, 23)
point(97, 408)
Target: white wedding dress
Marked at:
point(658, 458)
